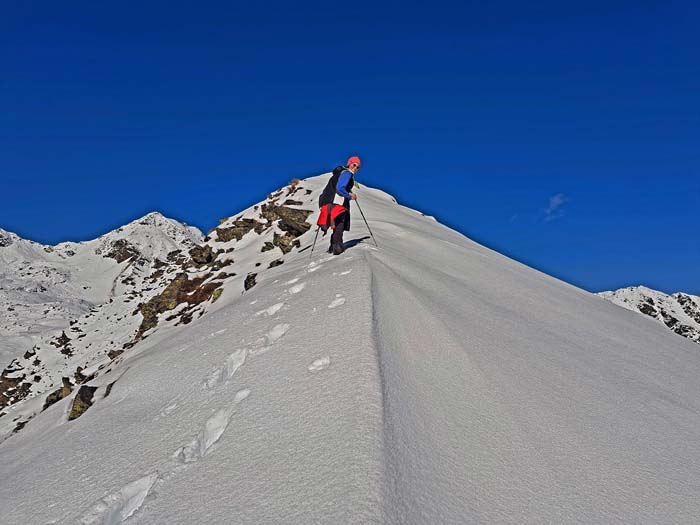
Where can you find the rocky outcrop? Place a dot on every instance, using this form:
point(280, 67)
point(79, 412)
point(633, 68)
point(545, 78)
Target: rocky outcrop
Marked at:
point(238, 229)
point(292, 220)
point(13, 387)
point(82, 401)
point(119, 250)
point(250, 281)
point(286, 242)
point(55, 396)
point(181, 290)
point(202, 255)
point(689, 305)
point(63, 344)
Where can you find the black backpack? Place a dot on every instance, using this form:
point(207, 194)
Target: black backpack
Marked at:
point(328, 193)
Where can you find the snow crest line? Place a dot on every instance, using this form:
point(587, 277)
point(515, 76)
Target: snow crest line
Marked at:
point(391, 509)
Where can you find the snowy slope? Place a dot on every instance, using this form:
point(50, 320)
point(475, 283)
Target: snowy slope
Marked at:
point(65, 309)
point(679, 312)
point(428, 381)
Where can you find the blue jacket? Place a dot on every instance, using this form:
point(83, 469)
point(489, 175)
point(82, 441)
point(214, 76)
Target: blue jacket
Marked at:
point(343, 181)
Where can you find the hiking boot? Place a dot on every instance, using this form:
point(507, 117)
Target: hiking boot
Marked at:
point(337, 249)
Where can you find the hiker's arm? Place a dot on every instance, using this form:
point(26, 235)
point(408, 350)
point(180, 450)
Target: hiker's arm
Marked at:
point(342, 183)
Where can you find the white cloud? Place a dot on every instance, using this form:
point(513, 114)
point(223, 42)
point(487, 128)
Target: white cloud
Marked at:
point(555, 208)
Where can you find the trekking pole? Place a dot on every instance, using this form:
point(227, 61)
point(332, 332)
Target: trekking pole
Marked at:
point(368, 228)
point(314, 244)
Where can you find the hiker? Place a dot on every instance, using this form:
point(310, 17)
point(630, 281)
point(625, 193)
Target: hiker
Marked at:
point(335, 203)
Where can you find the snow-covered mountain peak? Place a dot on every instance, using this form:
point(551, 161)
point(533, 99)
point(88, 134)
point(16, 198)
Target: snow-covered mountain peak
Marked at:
point(679, 312)
point(158, 220)
point(426, 380)
point(44, 288)
point(152, 236)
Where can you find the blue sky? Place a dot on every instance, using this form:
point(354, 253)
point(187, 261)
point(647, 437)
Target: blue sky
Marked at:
point(566, 136)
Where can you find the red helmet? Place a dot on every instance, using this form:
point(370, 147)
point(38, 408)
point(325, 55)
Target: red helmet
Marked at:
point(354, 160)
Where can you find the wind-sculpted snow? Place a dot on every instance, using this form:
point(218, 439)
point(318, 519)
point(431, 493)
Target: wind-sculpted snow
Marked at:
point(451, 385)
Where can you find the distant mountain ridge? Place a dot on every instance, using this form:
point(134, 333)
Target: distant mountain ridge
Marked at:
point(73, 308)
point(64, 306)
point(679, 312)
point(43, 287)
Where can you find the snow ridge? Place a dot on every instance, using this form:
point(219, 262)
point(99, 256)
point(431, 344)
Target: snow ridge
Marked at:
point(451, 384)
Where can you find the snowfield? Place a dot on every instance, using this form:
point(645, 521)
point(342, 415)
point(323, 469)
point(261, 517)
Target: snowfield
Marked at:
point(430, 380)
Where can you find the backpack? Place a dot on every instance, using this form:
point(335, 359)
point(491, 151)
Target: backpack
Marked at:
point(328, 193)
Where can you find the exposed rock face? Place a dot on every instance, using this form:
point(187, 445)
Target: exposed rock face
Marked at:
point(13, 387)
point(181, 290)
point(250, 281)
point(59, 394)
point(690, 305)
point(202, 254)
point(120, 250)
point(679, 312)
point(291, 220)
point(286, 242)
point(63, 344)
point(238, 229)
point(82, 401)
point(113, 354)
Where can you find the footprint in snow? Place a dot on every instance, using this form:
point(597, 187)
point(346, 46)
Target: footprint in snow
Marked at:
point(320, 364)
point(338, 301)
point(224, 373)
point(272, 310)
point(169, 410)
point(297, 288)
point(212, 431)
point(277, 331)
point(265, 343)
point(118, 506)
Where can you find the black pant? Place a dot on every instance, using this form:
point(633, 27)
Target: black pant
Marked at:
point(337, 237)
